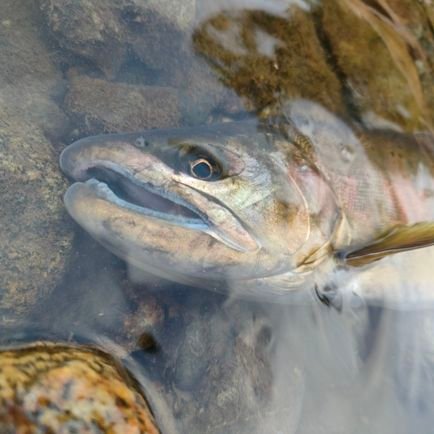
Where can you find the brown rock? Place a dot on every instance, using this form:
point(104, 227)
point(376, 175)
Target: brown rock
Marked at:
point(378, 57)
point(102, 31)
point(55, 388)
point(155, 33)
point(35, 235)
point(369, 61)
point(101, 106)
point(88, 28)
point(267, 58)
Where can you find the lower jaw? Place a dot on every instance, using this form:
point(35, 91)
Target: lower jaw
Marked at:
point(94, 205)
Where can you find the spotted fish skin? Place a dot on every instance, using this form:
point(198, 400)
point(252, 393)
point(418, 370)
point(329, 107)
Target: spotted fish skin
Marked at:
point(51, 388)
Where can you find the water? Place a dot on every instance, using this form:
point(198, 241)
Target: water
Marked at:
point(214, 363)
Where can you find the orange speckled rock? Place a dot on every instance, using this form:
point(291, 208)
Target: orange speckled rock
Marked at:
point(47, 388)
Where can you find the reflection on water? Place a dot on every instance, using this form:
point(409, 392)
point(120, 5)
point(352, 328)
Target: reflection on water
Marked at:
point(354, 72)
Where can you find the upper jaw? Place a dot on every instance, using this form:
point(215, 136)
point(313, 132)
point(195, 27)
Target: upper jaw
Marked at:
point(144, 184)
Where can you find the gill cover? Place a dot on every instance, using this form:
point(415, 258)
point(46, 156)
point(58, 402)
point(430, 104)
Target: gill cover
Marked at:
point(317, 222)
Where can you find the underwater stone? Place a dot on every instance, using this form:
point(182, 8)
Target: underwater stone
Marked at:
point(57, 388)
point(101, 106)
point(103, 31)
point(35, 234)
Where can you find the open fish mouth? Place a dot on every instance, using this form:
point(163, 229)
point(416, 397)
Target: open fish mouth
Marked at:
point(127, 192)
point(110, 170)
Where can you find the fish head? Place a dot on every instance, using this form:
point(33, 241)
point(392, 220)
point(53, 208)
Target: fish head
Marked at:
point(198, 205)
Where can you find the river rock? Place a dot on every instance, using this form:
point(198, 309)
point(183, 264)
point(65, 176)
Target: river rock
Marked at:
point(214, 360)
point(102, 31)
point(266, 58)
point(100, 106)
point(88, 28)
point(35, 231)
point(365, 61)
point(58, 388)
point(384, 65)
point(115, 35)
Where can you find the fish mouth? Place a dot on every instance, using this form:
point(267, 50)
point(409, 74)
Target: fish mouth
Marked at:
point(124, 190)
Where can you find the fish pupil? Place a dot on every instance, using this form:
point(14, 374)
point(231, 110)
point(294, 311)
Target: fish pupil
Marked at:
point(201, 169)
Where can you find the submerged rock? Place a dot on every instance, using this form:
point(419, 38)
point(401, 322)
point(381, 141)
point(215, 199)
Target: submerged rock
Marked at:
point(103, 31)
point(114, 35)
point(35, 233)
point(267, 59)
point(215, 361)
point(58, 388)
point(88, 28)
point(101, 106)
point(377, 55)
point(366, 61)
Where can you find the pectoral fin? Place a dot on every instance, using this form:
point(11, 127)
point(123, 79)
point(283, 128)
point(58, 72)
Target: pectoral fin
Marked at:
point(399, 239)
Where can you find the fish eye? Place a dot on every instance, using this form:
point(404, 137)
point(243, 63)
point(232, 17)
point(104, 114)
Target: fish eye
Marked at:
point(198, 163)
point(201, 169)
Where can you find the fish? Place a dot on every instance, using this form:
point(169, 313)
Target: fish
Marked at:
point(267, 208)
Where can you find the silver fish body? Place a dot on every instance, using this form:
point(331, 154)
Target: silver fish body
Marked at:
point(265, 209)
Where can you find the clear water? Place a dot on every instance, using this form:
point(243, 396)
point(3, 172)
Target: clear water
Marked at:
point(220, 365)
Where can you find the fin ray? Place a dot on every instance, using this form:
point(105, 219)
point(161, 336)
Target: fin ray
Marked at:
point(399, 239)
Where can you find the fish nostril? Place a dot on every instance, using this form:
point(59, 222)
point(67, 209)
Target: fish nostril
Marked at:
point(141, 142)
